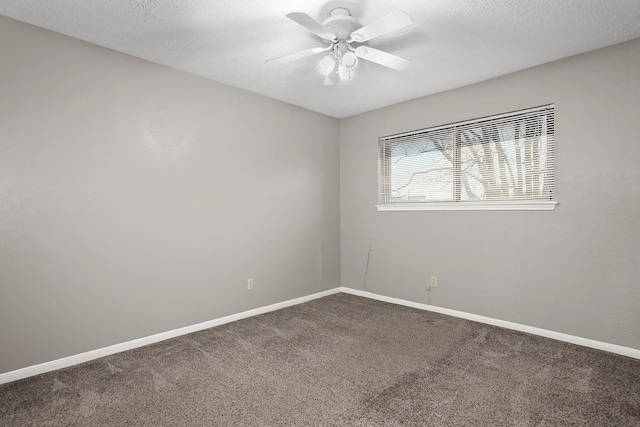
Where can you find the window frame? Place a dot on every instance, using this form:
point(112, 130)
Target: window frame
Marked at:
point(384, 177)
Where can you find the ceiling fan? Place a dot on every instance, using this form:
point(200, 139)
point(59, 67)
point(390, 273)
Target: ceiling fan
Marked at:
point(340, 31)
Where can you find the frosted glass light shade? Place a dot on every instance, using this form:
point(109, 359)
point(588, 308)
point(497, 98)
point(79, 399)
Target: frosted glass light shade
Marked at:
point(327, 64)
point(349, 60)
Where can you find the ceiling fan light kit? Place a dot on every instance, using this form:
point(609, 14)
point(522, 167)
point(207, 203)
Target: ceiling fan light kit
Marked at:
point(340, 30)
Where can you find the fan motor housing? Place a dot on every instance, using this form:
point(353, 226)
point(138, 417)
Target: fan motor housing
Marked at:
point(341, 23)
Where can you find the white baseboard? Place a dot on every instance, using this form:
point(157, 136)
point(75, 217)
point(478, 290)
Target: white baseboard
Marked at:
point(585, 342)
point(65, 362)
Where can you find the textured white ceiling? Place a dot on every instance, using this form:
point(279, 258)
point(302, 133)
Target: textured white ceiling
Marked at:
point(450, 44)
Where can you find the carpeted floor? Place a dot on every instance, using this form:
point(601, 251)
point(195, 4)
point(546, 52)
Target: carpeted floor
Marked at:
point(339, 360)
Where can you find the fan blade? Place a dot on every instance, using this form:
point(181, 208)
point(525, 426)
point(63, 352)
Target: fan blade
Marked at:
point(384, 25)
point(331, 79)
point(312, 25)
point(298, 55)
point(382, 58)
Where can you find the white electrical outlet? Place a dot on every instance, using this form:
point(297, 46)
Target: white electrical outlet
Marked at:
point(250, 284)
point(434, 282)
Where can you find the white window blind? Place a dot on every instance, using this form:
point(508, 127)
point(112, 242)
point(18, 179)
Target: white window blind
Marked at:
point(500, 161)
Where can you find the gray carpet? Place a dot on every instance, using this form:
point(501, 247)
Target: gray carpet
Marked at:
point(339, 360)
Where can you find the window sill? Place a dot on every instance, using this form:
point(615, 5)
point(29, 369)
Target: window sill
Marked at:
point(527, 205)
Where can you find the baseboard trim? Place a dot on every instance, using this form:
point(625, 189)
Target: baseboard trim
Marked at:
point(65, 362)
point(585, 342)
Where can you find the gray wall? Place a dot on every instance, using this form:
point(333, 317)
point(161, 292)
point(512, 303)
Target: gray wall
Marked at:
point(574, 270)
point(135, 199)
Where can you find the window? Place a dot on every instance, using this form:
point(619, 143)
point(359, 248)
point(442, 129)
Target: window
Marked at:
point(498, 162)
